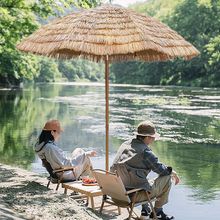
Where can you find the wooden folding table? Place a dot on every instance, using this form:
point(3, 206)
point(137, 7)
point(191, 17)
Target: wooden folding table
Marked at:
point(90, 191)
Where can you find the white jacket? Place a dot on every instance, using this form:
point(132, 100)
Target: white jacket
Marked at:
point(57, 159)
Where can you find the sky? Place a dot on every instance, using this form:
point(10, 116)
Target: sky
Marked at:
point(125, 3)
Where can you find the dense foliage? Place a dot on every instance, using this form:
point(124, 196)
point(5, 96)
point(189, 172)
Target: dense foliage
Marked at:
point(19, 19)
point(198, 22)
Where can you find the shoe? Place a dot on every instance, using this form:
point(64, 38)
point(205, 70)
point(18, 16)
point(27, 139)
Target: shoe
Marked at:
point(144, 215)
point(161, 216)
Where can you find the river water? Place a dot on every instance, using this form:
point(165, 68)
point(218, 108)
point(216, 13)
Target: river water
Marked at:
point(188, 120)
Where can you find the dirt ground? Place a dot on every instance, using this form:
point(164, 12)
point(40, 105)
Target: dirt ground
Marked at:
point(24, 195)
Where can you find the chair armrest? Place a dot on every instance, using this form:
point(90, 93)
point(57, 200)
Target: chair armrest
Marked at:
point(63, 169)
point(133, 190)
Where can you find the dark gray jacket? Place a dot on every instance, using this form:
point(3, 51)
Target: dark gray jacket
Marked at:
point(134, 161)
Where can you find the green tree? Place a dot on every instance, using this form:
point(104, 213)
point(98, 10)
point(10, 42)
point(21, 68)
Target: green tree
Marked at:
point(19, 19)
point(213, 65)
point(48, 71)
point(15, 21)
point(78, 69)
point(198, 22)
point(157, 8)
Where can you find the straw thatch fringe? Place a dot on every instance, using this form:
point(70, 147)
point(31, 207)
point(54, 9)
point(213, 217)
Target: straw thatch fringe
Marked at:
point(120, 33)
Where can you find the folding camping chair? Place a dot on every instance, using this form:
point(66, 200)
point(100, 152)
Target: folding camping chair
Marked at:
point(54, 178)
point(113, 187)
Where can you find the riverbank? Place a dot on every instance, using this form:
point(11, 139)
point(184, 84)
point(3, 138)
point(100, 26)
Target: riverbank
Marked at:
point(23, 195)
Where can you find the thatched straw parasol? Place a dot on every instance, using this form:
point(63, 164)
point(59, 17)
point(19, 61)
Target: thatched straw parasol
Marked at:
point(108, 33)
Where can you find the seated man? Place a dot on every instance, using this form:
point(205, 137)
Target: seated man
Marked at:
point(46, 148)
point(134, 161)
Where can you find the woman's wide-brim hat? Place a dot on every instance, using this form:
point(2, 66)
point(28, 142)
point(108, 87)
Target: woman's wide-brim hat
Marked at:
point(147, 129)
point(52, 125)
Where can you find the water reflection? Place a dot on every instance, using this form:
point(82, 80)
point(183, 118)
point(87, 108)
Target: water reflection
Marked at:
point(197, 165)
point(188, 120)
point(15, 127)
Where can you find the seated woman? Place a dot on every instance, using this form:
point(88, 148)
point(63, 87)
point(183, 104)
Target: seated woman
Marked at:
point(46, 148)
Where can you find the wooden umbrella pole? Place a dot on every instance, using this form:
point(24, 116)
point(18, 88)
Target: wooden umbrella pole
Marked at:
point(106, 113)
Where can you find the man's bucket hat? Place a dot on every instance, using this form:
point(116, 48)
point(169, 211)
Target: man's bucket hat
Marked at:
point(147, 129)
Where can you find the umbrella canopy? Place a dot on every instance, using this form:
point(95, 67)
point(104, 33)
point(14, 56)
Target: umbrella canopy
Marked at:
point(108, 33)
point(120, 33)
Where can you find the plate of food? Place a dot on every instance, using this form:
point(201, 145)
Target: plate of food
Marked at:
point(89, 181)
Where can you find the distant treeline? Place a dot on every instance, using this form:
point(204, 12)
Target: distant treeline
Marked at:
point(198, 21)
